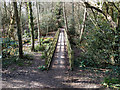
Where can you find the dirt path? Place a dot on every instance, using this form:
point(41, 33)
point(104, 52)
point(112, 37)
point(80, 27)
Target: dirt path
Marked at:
point(57, 77)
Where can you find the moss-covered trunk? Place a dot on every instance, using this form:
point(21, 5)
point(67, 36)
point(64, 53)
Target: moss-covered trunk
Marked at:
point(18, 30)
point(11, 29)
point(31, 24)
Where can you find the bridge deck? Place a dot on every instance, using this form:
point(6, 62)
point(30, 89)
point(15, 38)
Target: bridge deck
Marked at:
point(60, 56)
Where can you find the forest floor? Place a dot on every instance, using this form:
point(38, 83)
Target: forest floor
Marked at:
point(59, 76)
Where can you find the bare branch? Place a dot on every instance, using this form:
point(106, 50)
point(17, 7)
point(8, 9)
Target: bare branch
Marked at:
point(116, 7)
point(108, 17)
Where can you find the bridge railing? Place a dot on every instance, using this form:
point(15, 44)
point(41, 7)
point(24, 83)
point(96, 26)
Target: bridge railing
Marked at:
point(70, 52)
point(50, 51)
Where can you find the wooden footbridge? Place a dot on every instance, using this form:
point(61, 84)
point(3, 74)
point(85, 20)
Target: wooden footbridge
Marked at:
point(59, 51)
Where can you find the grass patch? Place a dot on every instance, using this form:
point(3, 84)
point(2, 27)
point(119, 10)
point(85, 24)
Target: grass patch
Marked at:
point(25, 61)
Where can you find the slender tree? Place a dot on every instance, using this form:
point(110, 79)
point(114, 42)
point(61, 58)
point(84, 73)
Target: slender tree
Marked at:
point(11, 26)
point(78, 16)
point(72, 27)
point(38, 22)
point(31, 24)
point(73, 16)
point(83, 25)
point(18, 29)
point(5, 6)
point(47, 21)
point(65, 18)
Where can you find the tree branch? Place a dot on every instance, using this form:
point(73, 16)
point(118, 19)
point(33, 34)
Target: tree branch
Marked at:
point(108, 17)
point(97, 9)
point(116, 7)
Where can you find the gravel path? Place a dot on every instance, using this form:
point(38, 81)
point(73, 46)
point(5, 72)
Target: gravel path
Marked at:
point(57, 77)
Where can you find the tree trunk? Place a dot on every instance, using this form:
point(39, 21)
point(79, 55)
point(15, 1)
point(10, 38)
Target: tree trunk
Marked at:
point(65, 18)
point(83, 25)
point(47, 29)
point(117, 40)
point(78, 15)
point(18, 30)
point(5, 9)
point(52, 10)
point(31, 24)
point(73, 20)
point(3, 32)
point(11, 27)
point(47, 22)
point(38, 23)
point(59, 15)
point(20, 17)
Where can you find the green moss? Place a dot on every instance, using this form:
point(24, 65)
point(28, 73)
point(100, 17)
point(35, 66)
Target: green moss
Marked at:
point(43, 56)
point(39, 48)
point(112, 82)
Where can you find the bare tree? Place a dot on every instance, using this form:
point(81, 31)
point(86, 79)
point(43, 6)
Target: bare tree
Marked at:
point(38, 22)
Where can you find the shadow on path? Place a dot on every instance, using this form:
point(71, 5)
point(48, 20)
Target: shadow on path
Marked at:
point(57, 77)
